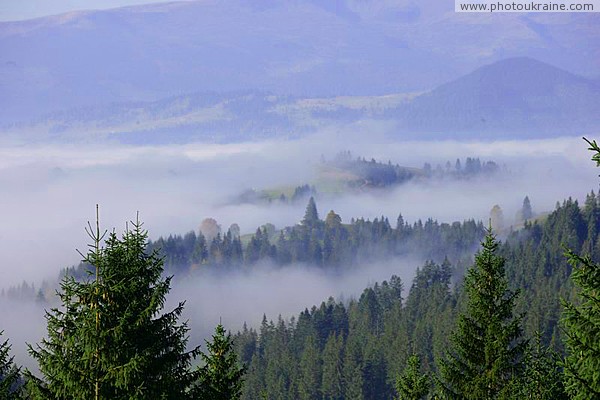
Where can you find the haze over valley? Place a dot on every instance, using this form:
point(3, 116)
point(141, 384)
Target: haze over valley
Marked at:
point(290, 153)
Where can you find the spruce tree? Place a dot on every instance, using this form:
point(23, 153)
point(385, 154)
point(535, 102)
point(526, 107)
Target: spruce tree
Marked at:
point(311, 216)
point(353, 374)
point(109, 340)
point(486, 359)
point(526, 210)
point(310, 368)
point(10, 375)
point(333, 368)
point(221, 376)
point(542, 379)
point(582, 329)
point(581, 322)
point(412, 384)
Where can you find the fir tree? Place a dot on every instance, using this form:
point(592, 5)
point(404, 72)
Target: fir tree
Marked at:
point(526, 210)
point(353, 374)
point(581, 322)
point(333, 364)
point(311, 216)
point(582, 328)
point(412, 384)
point(221, 377)
point(310, 370)
point(542, 379)
point(109, 341)
point(487, 355)
point(10, 378)
point(200, 252)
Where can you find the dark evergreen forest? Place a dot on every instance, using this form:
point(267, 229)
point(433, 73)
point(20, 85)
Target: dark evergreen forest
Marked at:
point(483, 318)
point(325, 243)
point(359, 349)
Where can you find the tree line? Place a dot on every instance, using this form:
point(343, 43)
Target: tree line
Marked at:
point(364, 174)
point(327, 243)
point(375, 173)
point(502, 332)
point(363, 348)
point(521, 324)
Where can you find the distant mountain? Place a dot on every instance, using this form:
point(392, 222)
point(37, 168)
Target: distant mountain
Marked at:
point(201, 116)
point(512, 98)
point(303, 48)
point(516, 97)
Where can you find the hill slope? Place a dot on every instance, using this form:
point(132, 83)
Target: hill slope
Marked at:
point(304, 48)
point(512, 97)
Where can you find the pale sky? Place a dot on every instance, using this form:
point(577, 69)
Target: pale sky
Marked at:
point(13, 10)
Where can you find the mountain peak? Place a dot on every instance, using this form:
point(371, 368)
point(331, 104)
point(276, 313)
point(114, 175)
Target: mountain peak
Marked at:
point(513, 95)
point(521, 65)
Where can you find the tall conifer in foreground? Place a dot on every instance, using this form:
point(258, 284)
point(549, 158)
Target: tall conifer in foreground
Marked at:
point(486, 359)
point(581, 322)
point(108, 340)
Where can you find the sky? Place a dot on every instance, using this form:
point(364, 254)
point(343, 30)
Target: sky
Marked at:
point(16, 10)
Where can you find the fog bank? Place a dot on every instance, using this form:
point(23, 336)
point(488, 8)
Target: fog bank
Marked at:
point(48, 193)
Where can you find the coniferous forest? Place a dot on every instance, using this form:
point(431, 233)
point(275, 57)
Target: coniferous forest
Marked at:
point(299, 200)
point(483, 318)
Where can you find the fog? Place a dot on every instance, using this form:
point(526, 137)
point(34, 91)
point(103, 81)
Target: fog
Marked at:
point(244, 297)
point(49, 192)
point(22, 323)
point(233, 298)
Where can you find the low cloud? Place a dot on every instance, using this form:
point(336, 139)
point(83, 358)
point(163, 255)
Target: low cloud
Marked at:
point(48, 193)
point(239, 297)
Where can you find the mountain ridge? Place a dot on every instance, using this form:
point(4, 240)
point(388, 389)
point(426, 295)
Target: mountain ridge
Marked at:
point(519, 94)
point(517, 97)
point(300, 48)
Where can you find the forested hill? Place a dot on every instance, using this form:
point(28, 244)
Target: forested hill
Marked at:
point(357, 349)
point(378, 174)
point(344, 173)
point(324, 243)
